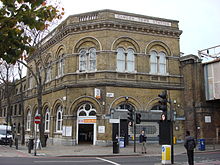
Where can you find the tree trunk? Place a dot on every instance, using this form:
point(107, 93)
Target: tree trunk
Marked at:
point(40, 111)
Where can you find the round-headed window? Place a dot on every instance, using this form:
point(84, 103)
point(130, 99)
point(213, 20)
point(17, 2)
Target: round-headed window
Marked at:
point(86, 110)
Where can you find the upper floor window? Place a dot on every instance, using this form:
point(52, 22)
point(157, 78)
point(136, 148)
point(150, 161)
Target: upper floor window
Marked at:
point(60, 69)
point(1, 112)
point(157, 63)
point(125, 60)
point(4, 112)
point(48, 73)
point(30, 81)
point(87, 60)
point(20, 109)
point(15, 110)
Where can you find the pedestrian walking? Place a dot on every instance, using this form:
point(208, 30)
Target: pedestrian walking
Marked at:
point(143, 140)
point(190, 144)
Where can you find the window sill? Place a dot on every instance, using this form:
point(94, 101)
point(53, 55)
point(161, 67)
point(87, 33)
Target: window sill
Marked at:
point(159, 74)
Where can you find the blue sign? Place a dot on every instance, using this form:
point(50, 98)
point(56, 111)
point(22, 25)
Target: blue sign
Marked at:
point(163, 149)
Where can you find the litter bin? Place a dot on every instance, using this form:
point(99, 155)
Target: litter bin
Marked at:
point(166, 154)
point(201, 144)
point(122, 142)
point(115, 146)
point(30, 145)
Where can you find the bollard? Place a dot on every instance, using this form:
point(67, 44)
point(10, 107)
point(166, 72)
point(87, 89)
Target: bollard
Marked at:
point(115, 147)
point(10, 142)
point(166, 154)
point(29, 147)
point(16, 143)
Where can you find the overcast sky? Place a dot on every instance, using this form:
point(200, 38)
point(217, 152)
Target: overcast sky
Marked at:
point(198, 19)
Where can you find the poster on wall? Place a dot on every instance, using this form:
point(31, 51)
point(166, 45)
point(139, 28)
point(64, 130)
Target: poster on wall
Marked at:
point(101, 129)
point(208, 119)
point(67, 131)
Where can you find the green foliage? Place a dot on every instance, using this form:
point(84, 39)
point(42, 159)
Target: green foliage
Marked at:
point(18, 15)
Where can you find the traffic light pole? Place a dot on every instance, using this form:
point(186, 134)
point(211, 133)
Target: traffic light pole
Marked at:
point(163, 106)
point(171, 131)
point(134, 125)
point(172, 147)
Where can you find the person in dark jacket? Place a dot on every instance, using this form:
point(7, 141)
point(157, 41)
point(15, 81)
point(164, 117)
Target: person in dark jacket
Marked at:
point(190, 144)
point(143, 140)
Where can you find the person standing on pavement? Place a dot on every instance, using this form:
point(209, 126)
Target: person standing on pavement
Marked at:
point(143, 140)
point(190, 144)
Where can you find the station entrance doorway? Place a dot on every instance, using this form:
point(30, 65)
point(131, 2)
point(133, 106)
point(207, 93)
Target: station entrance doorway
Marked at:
point(85, 134)
point(86, 124)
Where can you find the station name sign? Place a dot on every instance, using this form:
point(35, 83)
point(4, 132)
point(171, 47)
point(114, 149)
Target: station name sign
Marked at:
point(144, 20)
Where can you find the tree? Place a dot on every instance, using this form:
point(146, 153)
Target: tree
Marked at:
point(23, 24)
point(39, 67)
point(20, 74)
point(7, 79)
point(17, 14)
point(40, 79)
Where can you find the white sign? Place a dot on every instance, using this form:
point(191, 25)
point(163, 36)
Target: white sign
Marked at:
point(114, 121)
point(97, 93)
point(208, 119)
point(67, 131)
point(101, 129)
point(110, 94)
point(144, 20)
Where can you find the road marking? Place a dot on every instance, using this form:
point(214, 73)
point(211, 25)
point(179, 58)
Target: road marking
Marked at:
point(105, 160)
point(64, 161)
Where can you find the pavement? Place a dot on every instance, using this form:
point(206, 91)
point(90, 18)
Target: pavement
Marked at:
point(86, 150)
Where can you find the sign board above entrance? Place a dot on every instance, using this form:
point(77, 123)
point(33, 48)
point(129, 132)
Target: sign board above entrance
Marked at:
point(87, 121)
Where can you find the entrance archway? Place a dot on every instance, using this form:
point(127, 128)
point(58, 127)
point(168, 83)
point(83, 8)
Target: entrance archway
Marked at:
point(86, 124)
point(125, 127)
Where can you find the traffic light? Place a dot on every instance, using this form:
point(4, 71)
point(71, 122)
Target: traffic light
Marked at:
point(163, 104)
point(138, 118)
point(130, 115)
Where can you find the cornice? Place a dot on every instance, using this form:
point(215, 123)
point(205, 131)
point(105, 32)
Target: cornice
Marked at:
point(111, 24)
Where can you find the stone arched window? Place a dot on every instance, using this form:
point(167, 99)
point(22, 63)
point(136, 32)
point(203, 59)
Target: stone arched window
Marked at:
point(30, 80)
point(47, 120)
point(86, 110)
point(48, 71)
point(59, 119)
point(157, 62)
point(156, 107)
point(48, 68)
point(125, 60)
point(60, 63)
point(125, 105)
point(87, 59)
point(28, 122)
point(130, 60)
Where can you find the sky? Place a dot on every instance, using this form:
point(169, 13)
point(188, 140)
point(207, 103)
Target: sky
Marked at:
point(198, 19)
